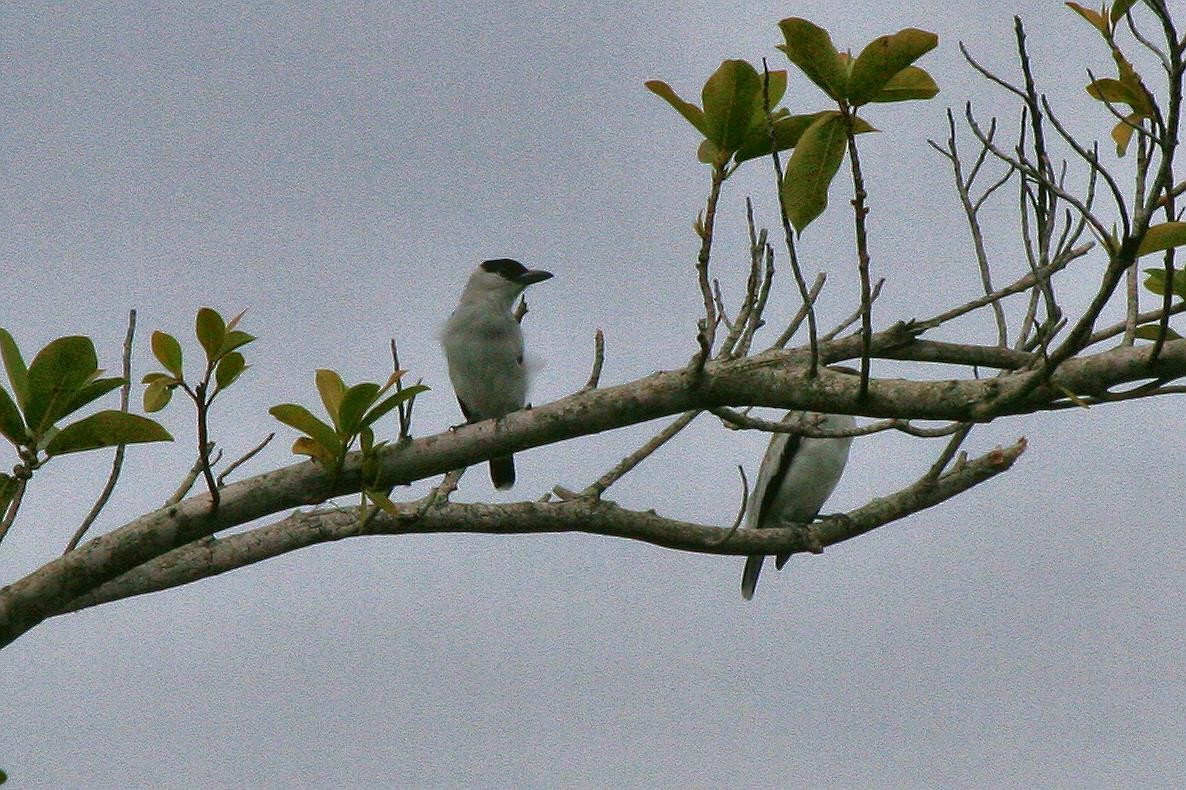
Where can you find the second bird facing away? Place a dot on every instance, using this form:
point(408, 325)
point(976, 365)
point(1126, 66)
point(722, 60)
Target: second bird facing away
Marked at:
point(484, 348)
point(797, 476)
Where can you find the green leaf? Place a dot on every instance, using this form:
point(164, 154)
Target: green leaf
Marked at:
point(1120, 8)
point(382, 500)
point(882, 59)
point(106, 429)
point(909, 83)
point(787, 131)
point(811, 168)
point(732, 99)
point(1151, 331)
point(167, 351)
point(1123, 131)
point(157, 395)
point(1094, 17)
point(810, 48)
point(152, 378)
point(305, 445)
point(8, 486)
point(211, 330)
point(331, 388)
point(57, 372)
point(1120, 92)
point(1162, 237)
point(303, 420)
point(693, 114)
point(1155, 282)
point(354, 403)
point(232, 340)
point(229, 368)
point(390, 403)
point(14, 365)
point(11, 424)
point(93, 391)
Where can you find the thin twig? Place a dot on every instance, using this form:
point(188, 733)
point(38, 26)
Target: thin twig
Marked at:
point(804, 311)
point(191, 476)
point(638, 456)
point(957, 439)
point(598, 361)
point(244, 459)
point(788, 234)
point(856, 314)
point(740, 510)
point(737, 420)
point(116, 462)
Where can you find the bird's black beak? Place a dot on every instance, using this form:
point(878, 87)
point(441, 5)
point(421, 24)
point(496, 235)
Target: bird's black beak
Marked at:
point(532, 276)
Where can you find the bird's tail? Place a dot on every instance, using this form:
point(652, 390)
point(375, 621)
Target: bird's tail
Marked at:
point(749, 577)
point(502, 472)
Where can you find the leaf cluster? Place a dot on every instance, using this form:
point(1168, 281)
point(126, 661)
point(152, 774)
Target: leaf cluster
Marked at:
point(63, 378)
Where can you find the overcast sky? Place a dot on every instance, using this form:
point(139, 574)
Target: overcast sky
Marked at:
point(338, 169)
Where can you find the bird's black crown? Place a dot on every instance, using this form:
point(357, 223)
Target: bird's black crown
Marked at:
point(508, 268)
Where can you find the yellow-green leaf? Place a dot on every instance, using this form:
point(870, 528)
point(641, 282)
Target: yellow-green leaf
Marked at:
point(1094, 17)
point(1120, 8)
point(210, 329)
point(331, 388)
point(1117, 92)
point(1155, 282)
point(391, 402)
point(106, 429)
point(909, 83)
point(811, 168)
point(303, 420)
point(167, 351)
point(810, 48)
point(310, 447)
point(355, 402)
point(157, 395)
point(14, 365)
point(693, 114)
point(1152, 331)
point(1123, 131)
point(229, 368)
point(11, 424)
point(1162, 237)
point(383, 501)
point(883, 58)
point(732, 99)
point(55, 375)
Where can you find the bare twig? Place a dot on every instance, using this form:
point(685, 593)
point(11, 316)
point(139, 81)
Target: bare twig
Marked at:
point(191, 476)
point(788, 234)
point(708, 325)
point(638, 456)
point(598, 361)
point(116, 462)
point(804, 311)
point(856, 314)
point(958, 437)
point(741, 509)
point(860, 211)
point(244, 459)
point(737, 420)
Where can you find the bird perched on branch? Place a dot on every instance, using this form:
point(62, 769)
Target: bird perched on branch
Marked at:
point(797, 476)
point(484, 348)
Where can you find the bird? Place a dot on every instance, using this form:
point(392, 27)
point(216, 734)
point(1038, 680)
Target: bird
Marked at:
point(484, 349)
point(797, 476)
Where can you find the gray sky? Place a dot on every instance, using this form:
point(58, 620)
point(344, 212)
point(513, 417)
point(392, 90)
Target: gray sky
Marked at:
point(338, 170)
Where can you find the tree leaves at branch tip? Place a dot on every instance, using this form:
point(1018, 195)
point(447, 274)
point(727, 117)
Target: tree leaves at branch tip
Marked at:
point(219, 340)
point(733, 117)
point(352, 412)
point(881, 73)
point(63, 378)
